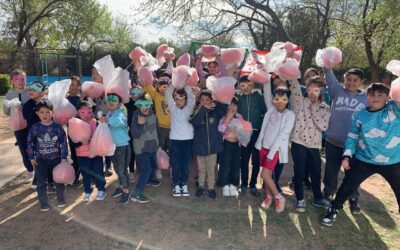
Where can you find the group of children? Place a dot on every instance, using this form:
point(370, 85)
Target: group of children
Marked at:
point(360, 130)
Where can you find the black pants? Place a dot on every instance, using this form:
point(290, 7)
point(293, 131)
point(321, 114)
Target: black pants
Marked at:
point(22, 142)
point(245, 154)
point(277, 174)
point(74, 159)
point(43, 171)
point(303, 158)
point(229, 168)
point(133, 157)
point(334, 156)
point(359, 172)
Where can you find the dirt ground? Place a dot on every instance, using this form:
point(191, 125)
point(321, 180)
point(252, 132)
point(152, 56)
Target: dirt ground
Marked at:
point(192, 223)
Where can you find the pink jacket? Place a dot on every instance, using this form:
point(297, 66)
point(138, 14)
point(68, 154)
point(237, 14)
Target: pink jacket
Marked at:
point(84, 149)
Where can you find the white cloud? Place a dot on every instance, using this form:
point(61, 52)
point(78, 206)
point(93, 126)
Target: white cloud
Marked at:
point(391, 116)
point(347, 152)
point(375, 133)
point(361, 144)
point(381, 159)
point(393, 142)
point(354, 136)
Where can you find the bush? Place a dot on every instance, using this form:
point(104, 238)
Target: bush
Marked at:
point(5, 84)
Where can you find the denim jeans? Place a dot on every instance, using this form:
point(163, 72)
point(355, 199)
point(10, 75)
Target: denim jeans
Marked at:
point(334, 156)
point(148, 165)
point(42, 172)
point(359, 172)
point(22, 142)
point(181, 154)
point(92, 168)
point(303, 158)
point(120, 160)
point(246, 152)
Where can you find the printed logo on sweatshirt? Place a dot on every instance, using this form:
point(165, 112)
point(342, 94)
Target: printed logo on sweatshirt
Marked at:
point(48, 145)
point(348, 104)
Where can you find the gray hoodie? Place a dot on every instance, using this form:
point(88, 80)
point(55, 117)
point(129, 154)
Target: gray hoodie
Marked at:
point(343, 105)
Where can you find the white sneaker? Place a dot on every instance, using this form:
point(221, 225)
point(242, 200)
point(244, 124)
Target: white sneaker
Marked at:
point(226, 191)
point(176, 192)
point(86, 197)
point(29, 178)
point(185, 191)
point(159, 174)
point(33, 187)
point(233, 190)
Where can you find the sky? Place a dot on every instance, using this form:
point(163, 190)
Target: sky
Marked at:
point(125, 9)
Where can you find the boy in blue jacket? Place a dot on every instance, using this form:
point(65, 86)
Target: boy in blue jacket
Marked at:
point(118, 124)
point(208, 141)
point(372, 147)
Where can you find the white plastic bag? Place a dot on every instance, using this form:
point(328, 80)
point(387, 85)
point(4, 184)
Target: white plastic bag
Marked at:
point(64, 173)
point(180, 76)
point(222, 88)
point(79, 130)
point(162, 159)
point(243, 130)
point(394, 67)
point(63, 110)
point(17, 120)
point(289, 70)
point(328, 57)
point(105, 67)
point(119, 84)
point(93, 89)
point(102, 143)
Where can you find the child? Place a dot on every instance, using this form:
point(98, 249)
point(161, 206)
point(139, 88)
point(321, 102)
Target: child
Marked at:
point(181, 103)
point(74, 98)
point(135, 92)
point(118, 125)
point(346, 100)
point(90, 165)
point(145, 142)
point(163, 116)
point(47, 147)
point(372, 147)
point(207, 141)
point(273, 143)
point(18, 80)
point(252, 107)
point(229, 168)
point(312, 115)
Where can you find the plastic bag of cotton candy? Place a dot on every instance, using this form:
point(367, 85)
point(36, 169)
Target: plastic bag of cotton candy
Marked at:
point(93, 89)
point(243, 130)
point(259, 76)
point(162, 159)
point(64, 173)
point(232, 56)
point(145, 77)
point(328, 57)
point(163, 53)
point(180, 76)
point(17, 120)
point(63, 110)
point(119, 84)
point(141, 58)
point(394, 67)
point(209, 52)
point(102, 143)
point(222, 88)
point(78, 130)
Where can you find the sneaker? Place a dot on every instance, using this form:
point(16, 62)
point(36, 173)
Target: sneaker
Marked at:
point(140, 198)
point(33, 186)
point(45, 207)
point(301, 206)
point(117, 192)
point(255, 192)
point(176, 192)
point(329, 217)
point(212, 195)
point(354, 207)
point(86, 197)
point(243, 189)
point(124, 198)
point(61, 203)
point(226, 191)
point(108, 173)
point(199, 192)
point(280, 204)
point(267, 202)
point(321, 203)
point(101, 195)
point(233, 191)
point(154, 183)
point(329, 197)
point(29, 178)
point(159, 174)
point(51, 189)
point(185, 191)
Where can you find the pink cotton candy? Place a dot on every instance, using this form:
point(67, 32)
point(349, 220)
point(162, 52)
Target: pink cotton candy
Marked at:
point(394, 67)
point(145, 77)
point(63, 114)
point(243, 130)
point(78, 130)
point(209, 50)
point(180, 76)
point(259, 76)
point(395, 90)
point(121, 91)
point(194, 79)
point(246, 125)
point(232, 56)
point(289, 70)
point(64, 173)
point(183, 60)
point(102, 143)
point(162, 159)
point(328, 57)
point(161, 50)
point(223, 88)
point(17, 120)
point(169, 55)
point(93, 89)
point(136, 54)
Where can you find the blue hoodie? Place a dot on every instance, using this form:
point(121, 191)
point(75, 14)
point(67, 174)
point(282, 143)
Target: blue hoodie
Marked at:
point(118, 125)
point(343, 106)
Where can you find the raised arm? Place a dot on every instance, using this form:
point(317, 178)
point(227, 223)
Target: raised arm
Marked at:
point(191, 99)
point(296, 98)
point(168, 97)
point(334, 87)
